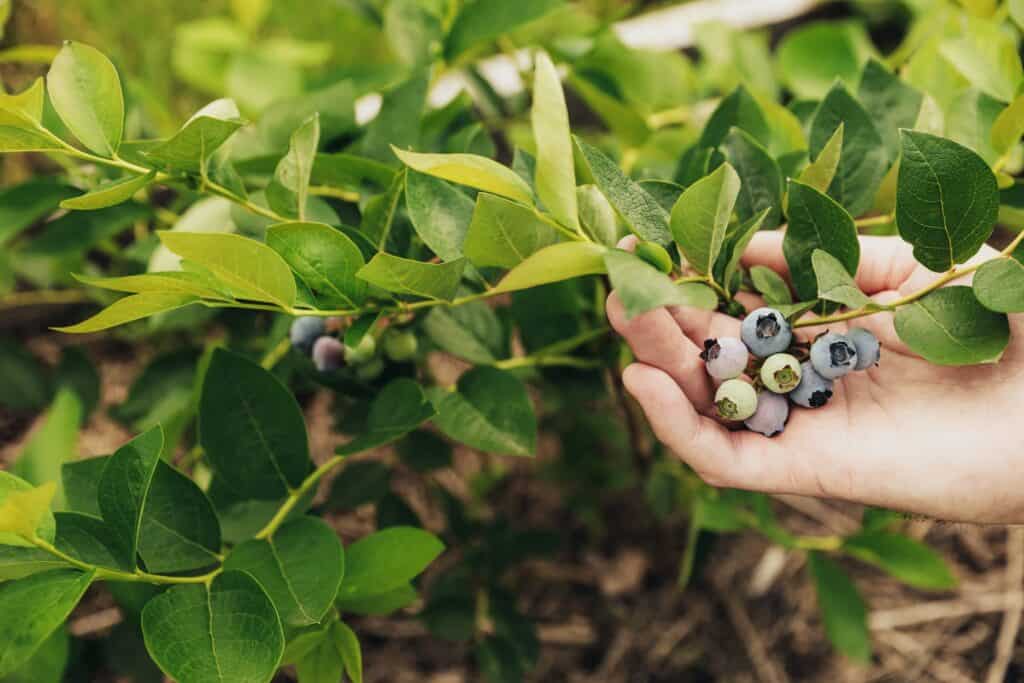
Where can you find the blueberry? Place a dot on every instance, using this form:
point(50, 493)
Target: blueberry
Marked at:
point(869, 350)
point(363, 352)
point(814, 391)
point(833, 355)
point(766, 331)
point(400, 345)
point(328, 354)
point(780, 373)
point(725, 357)
point(304, 331)
point(736, 399)
point(771, 414)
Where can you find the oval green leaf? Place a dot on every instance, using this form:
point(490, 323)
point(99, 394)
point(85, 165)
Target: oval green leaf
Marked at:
point(950, 327)
point(324, 258)
point(109, 195)
point(86, 93)
point(555, 177)
point(999, 285)
point(471, 170)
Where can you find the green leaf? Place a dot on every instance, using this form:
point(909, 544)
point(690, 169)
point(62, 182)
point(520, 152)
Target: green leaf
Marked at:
point(399, 408)
point(347, 644)
point(327, 655)
point(23, 204)
point(947, 200)
point(87, 539)
point(910, 561)
point(835, 283)
point(397, 125)
point(489, 410)
point(251, 269)
point(999, 285)
point(820, 173)
point(816, 221)
point(78, 374)
point(771, 285)
point(379, 214)
point(813, 56)
point(950, 327)
point(621, 118)
point(380, 604)
point(481, 22)
point(412, 30)
point(251, 428)
point(324, 258)
point(109, 195)
point(405, 276)
point(555, 178)
point(288, 191)
point(597, 216)
point(24, 510)
point(124, 487)
point(32, 609)
point(504, 233)
point(81, 480)
point(735, 244)
point(300, 567)
point(358, 484)
point(439, 213)
point(472, 331)
point(86, 93)
point(555, 263)
point(387, 560)
point(761, 187)
point(29, 103)
point(890, 102)
point(21, 128)
point(864, 158)
point(180, 530)
point(228, 632)
point(130, 308)
point(1008, 126)
point(642, 287)
point(842, 608)
point(701, 216)
point(986, 55)
point(970, 121)
point(471, 170)
point(738, 109)
point(49, 662)
point(199, 138)
point(171, 282)
point(53, 444)
point(639, 210)
point(26, 385)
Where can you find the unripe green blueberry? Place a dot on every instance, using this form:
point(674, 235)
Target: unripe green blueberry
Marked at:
point(656, 255)
point(780, 373)
point(400, 345)
point(736, 400)
point(371, 370)
point(362, 352)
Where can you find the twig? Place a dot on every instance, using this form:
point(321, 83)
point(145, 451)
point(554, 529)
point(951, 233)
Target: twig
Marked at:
point(1014, 605)
point(882, 620)
point(44, 297)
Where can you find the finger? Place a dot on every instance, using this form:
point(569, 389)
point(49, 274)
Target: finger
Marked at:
point(657, 341)
point(722, 458)
point(885, 262)
point(698, 324)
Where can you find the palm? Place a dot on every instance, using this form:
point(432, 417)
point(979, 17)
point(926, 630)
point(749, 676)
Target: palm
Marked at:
point(906, 434)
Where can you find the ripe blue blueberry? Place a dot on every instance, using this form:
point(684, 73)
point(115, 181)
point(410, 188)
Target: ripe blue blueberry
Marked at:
point(771, 414)
point(814, 391)
point(725, 357)
point(328, 354)
point(869, 350)
point(736, 399)
point(766, 331)
point(833, 355)
point(304, 331)
point(780, 373)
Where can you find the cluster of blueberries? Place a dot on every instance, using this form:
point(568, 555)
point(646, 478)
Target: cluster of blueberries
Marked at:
point(766, 335)
point(318, 338)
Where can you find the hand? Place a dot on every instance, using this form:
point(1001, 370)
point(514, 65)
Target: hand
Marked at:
point(906, 435)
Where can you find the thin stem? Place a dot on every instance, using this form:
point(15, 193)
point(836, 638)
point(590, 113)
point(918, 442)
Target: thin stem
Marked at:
point(547, 361)
point(274, 355)
point(41, 297)
point(296, 495)
point(138, 576)
point(949, 276)
point(870, 221)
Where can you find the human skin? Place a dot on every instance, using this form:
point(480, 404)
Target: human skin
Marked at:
point(906, 435)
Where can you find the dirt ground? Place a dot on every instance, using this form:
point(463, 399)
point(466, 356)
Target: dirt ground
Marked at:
point(612, 613)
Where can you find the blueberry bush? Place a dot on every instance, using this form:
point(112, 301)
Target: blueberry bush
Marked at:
point(275, 245)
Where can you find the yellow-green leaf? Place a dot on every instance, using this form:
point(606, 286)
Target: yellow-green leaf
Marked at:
point(555, 176)
point(86, 93)
point(472, 170)
point(558, 262)
point(109, 195)
point(22, 512)
point(134, 307)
